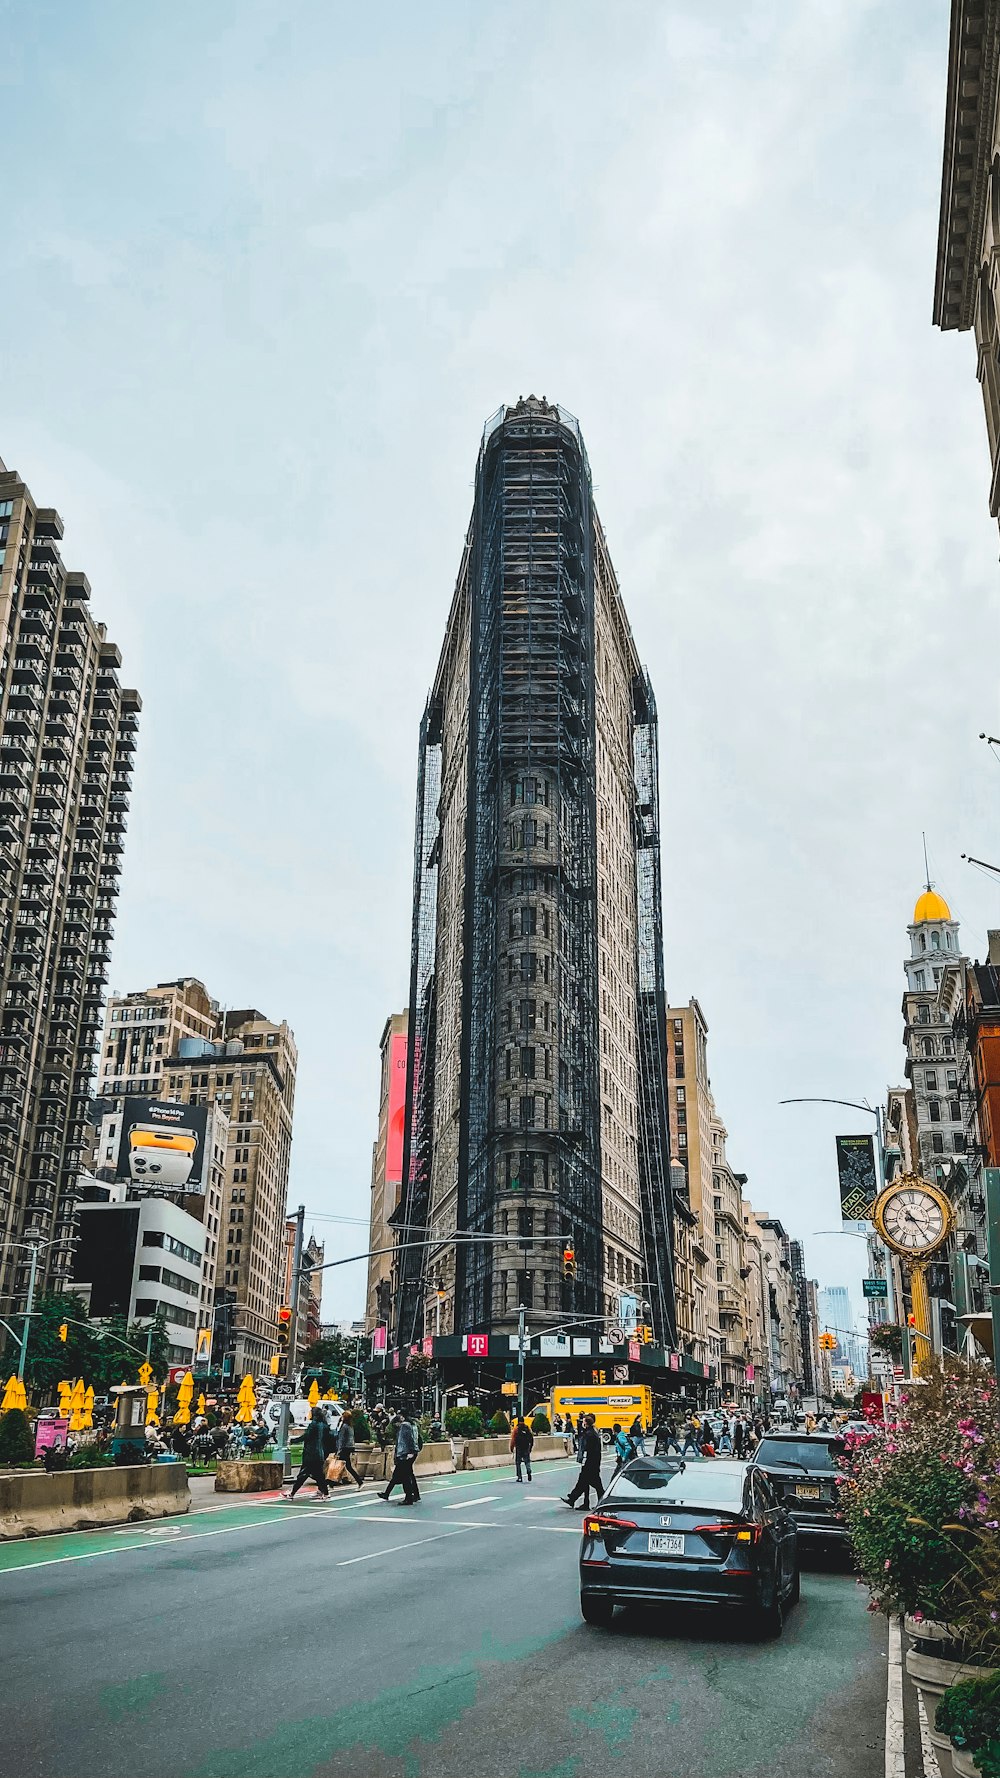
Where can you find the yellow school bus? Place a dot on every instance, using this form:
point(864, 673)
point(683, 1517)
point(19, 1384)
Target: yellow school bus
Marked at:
point(607, 1402)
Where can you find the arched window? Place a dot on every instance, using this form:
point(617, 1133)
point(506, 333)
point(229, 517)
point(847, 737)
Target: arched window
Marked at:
point(935, 941)
point(923, 941)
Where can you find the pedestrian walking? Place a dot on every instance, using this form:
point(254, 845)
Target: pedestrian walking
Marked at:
point(691, 1425)
point(739, 1436)
point(707, 1442)
point(725, 1438)
point(521, 1440)
point(624, 1448)
point(637, 1435)
point(406, 1456)
point(666, 1438)
point(590, 1465)
point(316, 1447)
point(346, 1444)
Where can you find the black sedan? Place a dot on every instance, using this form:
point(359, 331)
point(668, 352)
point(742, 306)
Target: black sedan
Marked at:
point(803, 1469)
point(705, 1532)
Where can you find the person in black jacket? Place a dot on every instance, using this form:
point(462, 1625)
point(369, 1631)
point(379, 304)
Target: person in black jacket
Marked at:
point(521, 1440)
point(345, 1445)
point(316, 1447)
point(590, 1469)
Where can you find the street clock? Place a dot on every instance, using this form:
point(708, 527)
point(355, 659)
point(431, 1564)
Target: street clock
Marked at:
point(913, 1217)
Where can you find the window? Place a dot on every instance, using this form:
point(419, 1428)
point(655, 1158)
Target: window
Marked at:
point(955, 1111)
point(527, 1064)
point(149, 1274)
point(919, 978)
point(934, 1108)
point(529, 921)
point(176, 1282)
point(525, 1224)
point(529, 966)
point(935, 941)
point(528, 1014)
point(528, 1111)
point(153, 1238)
point(937, 1143)
point(958, 1142)
point(952, 1081)
point(930, 1080)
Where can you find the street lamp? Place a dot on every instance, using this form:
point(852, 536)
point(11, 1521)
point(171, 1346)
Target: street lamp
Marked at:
point(34, 1247)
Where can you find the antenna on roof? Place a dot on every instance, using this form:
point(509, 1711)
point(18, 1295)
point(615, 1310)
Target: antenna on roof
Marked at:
point(927, 868)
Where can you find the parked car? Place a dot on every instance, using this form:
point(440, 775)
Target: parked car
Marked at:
point(803, 1469)
point(670, 1532)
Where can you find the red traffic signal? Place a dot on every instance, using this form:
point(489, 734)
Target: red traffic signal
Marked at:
point(284, 1317)
point(569, 1262)
point(284, 1328)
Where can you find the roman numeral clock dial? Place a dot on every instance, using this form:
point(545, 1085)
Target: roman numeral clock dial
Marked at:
point(913, 1217)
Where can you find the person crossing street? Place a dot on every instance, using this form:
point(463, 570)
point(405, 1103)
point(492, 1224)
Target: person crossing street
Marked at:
point(521, 1440)
point(590, 1469)
point(316, 1447)
point(406, 1456)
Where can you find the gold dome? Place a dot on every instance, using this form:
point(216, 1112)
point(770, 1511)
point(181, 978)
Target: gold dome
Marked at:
point(931, 906)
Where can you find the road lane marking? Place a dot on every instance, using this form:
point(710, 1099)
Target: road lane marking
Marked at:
point(895, 1751)
point(567, 1530)
point(458, 1505)
point(414, 1543)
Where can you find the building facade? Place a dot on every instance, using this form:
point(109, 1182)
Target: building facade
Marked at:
point(142, 1260)
point(309, 1312)
point(785, 1372)
point(175, 1042)
point(536, 1111)
point(67, 737)
point(387, 1167)
point(728, 1244)
point(967, 278)
point(928, 1034)
point(691, 1110)
point(249, 1071)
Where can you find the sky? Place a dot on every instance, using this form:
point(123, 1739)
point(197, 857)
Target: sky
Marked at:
point(268, 270)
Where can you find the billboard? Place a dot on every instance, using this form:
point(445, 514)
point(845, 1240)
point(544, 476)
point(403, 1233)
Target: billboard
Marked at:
point(397, 1111)
point(858, 1179)
point(163, 1145)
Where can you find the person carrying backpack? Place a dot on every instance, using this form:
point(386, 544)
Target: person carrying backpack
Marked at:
point(521, 1440)
point(624, 1448)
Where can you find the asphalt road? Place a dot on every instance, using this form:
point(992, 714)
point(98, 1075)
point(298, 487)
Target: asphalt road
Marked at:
point(441, 1641)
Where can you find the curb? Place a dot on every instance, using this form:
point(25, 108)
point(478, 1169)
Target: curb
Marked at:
point(895, 1751)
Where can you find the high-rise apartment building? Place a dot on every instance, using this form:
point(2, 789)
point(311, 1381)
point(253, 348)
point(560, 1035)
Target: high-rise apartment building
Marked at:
point(931, 1061)
point(785, 1372)
point(387, 1167)
point(536, 1084)
point(728, 1239)
point(67, 736)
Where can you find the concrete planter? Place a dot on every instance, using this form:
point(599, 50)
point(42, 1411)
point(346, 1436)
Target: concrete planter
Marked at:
point(932, 1675)
point(246, 1477)
point(930, 1630)
point(32, 1504)
point(963, 1765)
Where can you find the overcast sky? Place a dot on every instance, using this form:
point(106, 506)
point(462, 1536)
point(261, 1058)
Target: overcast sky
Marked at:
point(269, 268)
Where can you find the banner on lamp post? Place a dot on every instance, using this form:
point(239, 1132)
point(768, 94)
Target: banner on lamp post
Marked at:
point(858, 1177)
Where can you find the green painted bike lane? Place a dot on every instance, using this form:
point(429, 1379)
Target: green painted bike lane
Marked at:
point(19, 1554)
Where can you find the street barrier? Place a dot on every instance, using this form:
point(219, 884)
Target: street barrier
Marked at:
point(32, 1504)
point(492, 1453)
point(246, 1476)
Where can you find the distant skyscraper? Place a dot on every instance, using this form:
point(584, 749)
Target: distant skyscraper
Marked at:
point(537, 1077)
point(836, 1316)
point(387, 1167)
point(67, 735)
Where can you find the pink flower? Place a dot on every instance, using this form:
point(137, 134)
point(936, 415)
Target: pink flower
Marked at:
point(918, 1617)
point(888, 1564)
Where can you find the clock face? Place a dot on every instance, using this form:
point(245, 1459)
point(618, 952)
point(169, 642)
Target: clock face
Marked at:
point(914, 1220)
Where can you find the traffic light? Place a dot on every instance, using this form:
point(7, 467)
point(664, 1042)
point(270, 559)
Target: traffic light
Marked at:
point(275, 1364)
point(911, 1321)
point(440, 1290)
point(64, 1331)
point(569, 1262)
point(645, 1334)
point(828, 1342)
point(284, 1329)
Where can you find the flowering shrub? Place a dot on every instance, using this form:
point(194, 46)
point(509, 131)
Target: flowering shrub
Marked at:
point(922, 1504)
point(969, 1714)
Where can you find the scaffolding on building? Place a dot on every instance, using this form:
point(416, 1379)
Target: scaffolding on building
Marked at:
point(654, 1130)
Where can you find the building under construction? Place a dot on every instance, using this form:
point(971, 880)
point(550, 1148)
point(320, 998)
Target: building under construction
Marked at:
point(536, 1111)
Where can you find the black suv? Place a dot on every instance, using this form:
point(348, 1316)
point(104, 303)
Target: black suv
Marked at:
point(804, 1470)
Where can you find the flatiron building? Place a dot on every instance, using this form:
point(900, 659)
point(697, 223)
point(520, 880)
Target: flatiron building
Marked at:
point(536, 1079)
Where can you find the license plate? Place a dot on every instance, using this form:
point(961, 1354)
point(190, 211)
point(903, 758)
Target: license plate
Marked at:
point(805, 1491)
point(662, 1543)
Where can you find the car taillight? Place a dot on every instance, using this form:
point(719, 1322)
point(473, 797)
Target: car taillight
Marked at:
point(594, 1527)
point(742, 1530)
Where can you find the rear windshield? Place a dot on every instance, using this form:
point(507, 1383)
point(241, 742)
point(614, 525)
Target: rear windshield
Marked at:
point(697, 1484)
point(807, 1453)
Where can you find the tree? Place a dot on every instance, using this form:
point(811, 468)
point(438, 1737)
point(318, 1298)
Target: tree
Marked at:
point(16, 1442)
point(49, 1358)
point(330, 1358)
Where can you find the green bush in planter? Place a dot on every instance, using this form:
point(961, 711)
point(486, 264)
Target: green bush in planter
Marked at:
point(465, 1422)
point(499, 1425)
point(540, 1422)
point(969, 1714)
point(362, 1427)
point(16, 1442)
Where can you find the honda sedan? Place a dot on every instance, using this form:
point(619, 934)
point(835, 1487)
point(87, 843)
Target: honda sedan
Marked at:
point(695, 1533)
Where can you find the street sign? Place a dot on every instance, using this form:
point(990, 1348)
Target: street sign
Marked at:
point(620, 1373)
point(508, 1389)
point(875, 1287)
point(634, 1351)
point(616, 1334)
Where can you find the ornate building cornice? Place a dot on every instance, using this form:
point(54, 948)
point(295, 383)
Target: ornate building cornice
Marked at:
point(973, 68)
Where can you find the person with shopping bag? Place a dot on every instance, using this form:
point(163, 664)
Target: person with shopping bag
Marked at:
point(317, 1446)
point(341, 1464)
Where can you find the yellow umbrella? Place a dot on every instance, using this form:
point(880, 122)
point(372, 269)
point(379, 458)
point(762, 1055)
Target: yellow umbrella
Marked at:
point(247, 1400)
point(201, 1402)
point(152, 1405)
point(88, 1409)
point(313, 1396)
point(185, 1390)
point(78, 1397)
point(9, 1396)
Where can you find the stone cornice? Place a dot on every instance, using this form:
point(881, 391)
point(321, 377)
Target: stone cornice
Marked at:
point(973, 63)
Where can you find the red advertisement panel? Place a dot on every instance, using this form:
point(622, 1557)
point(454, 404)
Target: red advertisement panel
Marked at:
point(397, 1112)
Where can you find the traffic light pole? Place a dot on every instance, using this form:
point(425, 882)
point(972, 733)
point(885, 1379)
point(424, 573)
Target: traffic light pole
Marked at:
point(281, 1449)
point(521, 1343)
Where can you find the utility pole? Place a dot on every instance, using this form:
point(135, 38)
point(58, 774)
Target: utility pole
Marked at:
point(521, 1344)
point(23, 1354)
point(282, 1448)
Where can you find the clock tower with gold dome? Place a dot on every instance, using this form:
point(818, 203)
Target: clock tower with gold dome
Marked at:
point(931, 1064)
